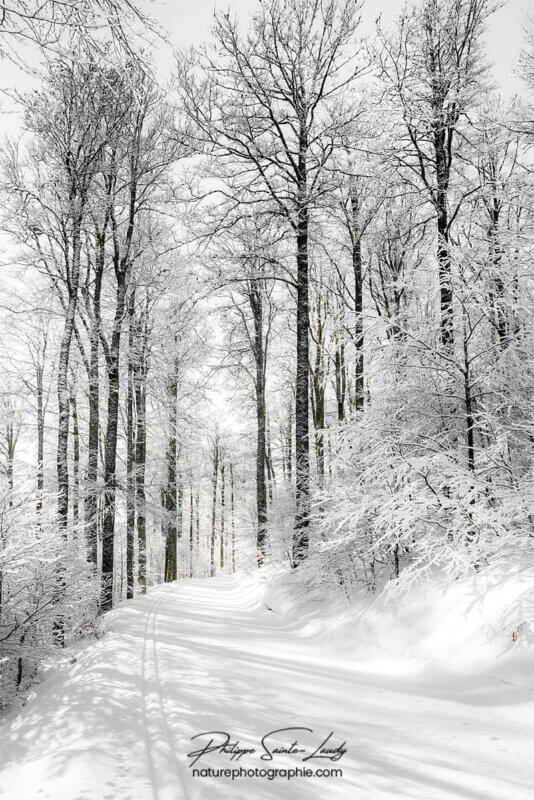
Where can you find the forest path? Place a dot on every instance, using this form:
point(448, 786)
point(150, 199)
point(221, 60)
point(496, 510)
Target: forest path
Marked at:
point(206, 655)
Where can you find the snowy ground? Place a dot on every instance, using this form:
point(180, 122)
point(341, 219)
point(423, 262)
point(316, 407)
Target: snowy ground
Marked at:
point(207, 655)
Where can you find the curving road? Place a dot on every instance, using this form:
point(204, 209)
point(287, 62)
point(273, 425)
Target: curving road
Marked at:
point(206, 655)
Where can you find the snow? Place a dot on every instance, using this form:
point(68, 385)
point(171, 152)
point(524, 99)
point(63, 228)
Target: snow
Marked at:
point(208, 655)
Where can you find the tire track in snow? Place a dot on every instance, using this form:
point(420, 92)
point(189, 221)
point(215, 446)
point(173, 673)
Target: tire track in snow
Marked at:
point(159, 744)
point(145, 702)
point(168, 729)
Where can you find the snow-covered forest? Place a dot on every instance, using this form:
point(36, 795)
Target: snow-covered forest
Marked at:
point(271, 306)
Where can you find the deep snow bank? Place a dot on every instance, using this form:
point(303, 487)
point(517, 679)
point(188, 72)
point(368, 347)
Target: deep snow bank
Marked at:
point(478, 625)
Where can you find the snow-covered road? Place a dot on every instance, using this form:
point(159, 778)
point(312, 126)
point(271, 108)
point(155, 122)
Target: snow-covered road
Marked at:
point(206, 655)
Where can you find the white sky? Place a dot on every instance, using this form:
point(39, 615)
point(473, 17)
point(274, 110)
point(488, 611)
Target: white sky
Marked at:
point(189, 21)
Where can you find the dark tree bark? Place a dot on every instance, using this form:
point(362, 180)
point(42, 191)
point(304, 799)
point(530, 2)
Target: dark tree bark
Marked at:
point(20, 663)
point(318, 382)
point(357, 270)
point(63, 393)
point(269, 466)
point(341, 377)
point(255, 297)
point(469, 403)
point(40, 434)
point(110, 447)
point(10, 447)
point(130, 453)
point(301, 537)
point(123, 257)
point(75, 462)
point(140, 468)
point(91, 485)
point(497, 291)
point(170, 494)
point(78, 149)
point(140, 395)
point(289, 444)
point(443, 159)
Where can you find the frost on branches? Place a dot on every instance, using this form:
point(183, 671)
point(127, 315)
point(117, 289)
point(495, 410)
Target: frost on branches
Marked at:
point(270, 311)
point(37, 564)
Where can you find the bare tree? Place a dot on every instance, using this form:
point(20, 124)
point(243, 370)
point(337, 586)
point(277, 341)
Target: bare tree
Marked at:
point(51, 23)
point(250, 253)
point(266, 106)
point(434, 67)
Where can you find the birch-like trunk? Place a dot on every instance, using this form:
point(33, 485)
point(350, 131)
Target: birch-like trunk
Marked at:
point(214, 480)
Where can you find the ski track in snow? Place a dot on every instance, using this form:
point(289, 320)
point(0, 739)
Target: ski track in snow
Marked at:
point(206, 655)
point(159, 743)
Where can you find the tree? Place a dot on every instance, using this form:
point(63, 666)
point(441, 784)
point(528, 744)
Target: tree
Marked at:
point(136, 168)
point(172, 490)
point(50, 23)
point(249, 254)
point(74, 152)
point(266, 107)
point(434, 68)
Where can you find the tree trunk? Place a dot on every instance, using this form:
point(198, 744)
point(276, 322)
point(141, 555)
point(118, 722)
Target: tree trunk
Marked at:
point(214, 505)
point(140, 376)
point(171, 488)
point(443, 254)
point(232, 514)
point(357, 268)
point(197, 520)
point(302, 445)
point(130, 454)
point(341, 379)
point(191, 528)
point(122, 265)
point(271, 477)
point(256, 305)
point(110, 449)
point(180, 513)
point(318, 387)
point(91, 487)
point(63, 395)
point(222, 549)
point(40, 438)
point(289, 444)
point(469, 407)
point(496, 281)
point(75, 463)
